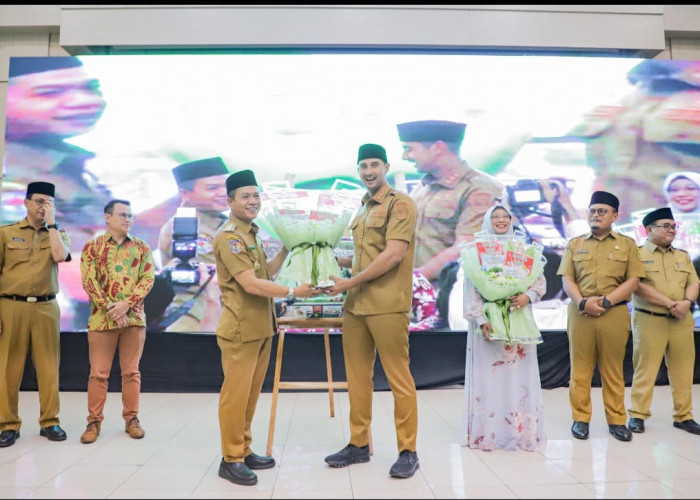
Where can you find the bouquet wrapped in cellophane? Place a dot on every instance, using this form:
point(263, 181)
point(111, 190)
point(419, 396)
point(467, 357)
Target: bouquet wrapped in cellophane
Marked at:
point(501, 266)
point(310, 223)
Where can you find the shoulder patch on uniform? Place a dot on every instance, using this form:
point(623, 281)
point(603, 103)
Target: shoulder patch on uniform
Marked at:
point(235, 245)
point(228, 227)
point(480, 200)
point(401, 209)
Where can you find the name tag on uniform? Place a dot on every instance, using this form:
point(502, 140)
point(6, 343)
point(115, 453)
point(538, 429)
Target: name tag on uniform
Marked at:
point(647, 262)
point(581, 251)
point(21, 240)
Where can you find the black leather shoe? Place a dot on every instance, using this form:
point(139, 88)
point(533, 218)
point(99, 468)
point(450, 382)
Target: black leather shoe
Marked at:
point(8, 438)
point(349, 455)
point(238, 473)
point(406, 465)
point(53, 433)
point(636, 425)
point(620, 432)
point(689, 425)
point(580, 430)
point(255, 461)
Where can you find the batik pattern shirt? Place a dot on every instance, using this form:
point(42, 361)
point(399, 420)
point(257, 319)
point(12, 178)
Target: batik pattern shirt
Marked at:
point(113, 272)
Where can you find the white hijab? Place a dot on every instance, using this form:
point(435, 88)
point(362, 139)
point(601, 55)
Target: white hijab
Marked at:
point(693, 177)
point(486, 225)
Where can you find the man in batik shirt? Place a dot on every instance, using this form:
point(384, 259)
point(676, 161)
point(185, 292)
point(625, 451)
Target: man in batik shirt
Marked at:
point(117, 273)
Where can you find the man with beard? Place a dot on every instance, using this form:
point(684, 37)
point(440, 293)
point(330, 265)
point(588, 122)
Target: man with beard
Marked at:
point(375, 313)
point(599, 271)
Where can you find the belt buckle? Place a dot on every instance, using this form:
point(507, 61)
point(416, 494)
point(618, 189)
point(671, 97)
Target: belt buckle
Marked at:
point(31, 299)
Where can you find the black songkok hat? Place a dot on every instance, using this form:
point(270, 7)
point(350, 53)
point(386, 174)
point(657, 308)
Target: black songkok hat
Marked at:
point(605, 198)
point(431, 131)
point(26, 65)
point(41, 188)
point(371, 151)
point(199, 168)
point(240, 179)
point(658, 214)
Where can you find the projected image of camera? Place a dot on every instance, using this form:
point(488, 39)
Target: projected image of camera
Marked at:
point(184, 249)
point(525, 193)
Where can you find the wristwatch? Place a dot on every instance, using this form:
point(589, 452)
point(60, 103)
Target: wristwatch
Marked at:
point(692, 304)
point(290, 294)
point(582, 304)
point(606, 303)
point(54, 226)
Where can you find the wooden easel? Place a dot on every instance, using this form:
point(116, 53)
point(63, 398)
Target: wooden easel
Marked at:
point(290, 323)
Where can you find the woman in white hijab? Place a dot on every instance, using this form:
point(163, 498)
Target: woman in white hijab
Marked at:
point(682, 190)
point(503, 394)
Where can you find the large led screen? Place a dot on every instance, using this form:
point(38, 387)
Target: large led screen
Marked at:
point(550, 129)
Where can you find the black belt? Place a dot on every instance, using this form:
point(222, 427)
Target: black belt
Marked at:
point(22, 298)
point(652, 313)
point(621, 303)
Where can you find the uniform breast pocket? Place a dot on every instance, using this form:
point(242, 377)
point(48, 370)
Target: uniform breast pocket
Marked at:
point(583, 264)
point(375, 222)
point(617, 263)
point(441, 208)
point(683, 278)
point(17, 251)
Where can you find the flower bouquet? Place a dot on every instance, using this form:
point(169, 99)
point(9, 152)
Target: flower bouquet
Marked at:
point(501, 266)
point(310, 224)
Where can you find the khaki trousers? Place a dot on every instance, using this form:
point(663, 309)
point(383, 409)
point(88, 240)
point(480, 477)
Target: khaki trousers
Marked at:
point(363, 337)
point(245, 365)
point(102, 346)
point(655, 338)
point(603, 340)
point(25, 326)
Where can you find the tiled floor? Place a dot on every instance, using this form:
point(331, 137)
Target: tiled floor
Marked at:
point(179, 457)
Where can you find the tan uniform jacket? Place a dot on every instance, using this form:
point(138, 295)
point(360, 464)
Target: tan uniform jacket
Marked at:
point(600, 266)
point(669, 272)
point(388, 215)
point(28, 269)
point(237, 248)
point(451, 208)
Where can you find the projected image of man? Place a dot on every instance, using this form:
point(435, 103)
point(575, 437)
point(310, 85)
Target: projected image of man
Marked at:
point(452, 197)
point(202, 186)
point(49, 100)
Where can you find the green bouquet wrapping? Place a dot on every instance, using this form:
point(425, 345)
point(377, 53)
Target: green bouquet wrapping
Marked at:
point(501, 266)
point(310, 224)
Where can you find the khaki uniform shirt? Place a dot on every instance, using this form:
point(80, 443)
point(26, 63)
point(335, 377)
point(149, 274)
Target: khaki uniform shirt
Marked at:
point(451, 207)
point(28, 268)
point(600, 266)
point(388, 215)
point(237, 248)
point(669, 272)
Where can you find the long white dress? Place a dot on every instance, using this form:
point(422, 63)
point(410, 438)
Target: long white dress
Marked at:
point(502, 389)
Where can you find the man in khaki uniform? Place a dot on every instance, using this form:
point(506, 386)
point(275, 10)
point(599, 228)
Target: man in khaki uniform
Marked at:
point(202, 185)
point(599, 271)
point(452, 197)
point(662, 323)
point(375, 313)
point(246, 326)
point(30, 251)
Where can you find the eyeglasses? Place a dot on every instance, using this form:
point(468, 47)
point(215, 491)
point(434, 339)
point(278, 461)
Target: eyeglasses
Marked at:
point(495, 217)
point(125, 216)
point(40, 202)
point(667, 227)
point(599, 211)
